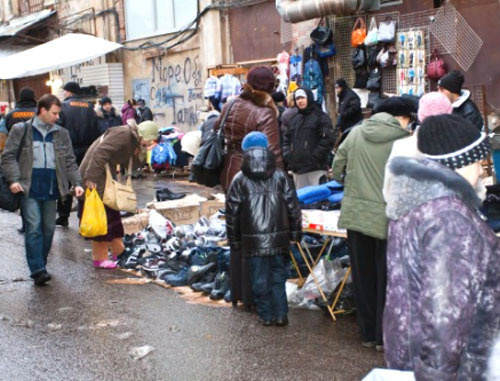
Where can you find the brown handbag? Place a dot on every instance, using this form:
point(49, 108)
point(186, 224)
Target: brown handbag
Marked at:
point(118, 196)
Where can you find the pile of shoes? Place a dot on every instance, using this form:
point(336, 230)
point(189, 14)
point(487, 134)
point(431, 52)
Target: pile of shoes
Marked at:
point(190, 255)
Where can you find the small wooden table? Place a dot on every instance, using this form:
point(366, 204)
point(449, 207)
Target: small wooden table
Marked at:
point(312, 262)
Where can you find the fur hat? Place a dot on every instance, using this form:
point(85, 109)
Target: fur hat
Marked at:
point(254, 139)
point(148, 130)
point(434, 103)
point(452, 81)
point(72, 87)
point(26, 94)
point(452, 141)
point(397, 106)
point(261, 78)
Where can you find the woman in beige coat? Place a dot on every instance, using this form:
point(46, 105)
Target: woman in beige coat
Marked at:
point(117, 146)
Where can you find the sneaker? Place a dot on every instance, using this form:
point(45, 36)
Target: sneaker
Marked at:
point(62, 221)
point(207, 278)
point(222, 285)
point(41, 278)
point(228, 298)
point(195, 273)
point(179, 279)
point(207, 287)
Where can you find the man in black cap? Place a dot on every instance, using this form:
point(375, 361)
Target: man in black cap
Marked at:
point(106, 115)
point(79, 118)
point(144, 111)
point(25, 108)
point(451, 85)
point(360, 163)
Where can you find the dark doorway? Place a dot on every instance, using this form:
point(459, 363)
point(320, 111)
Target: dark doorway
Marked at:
point(37, 83)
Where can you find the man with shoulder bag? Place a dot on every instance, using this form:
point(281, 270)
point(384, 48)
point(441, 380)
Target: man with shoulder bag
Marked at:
point(38, 162)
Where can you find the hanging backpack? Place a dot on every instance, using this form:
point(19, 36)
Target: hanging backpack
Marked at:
point(358, 58)
point(323, 40)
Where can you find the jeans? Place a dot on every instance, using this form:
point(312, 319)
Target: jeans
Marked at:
point(39, 218)
point(269, 274)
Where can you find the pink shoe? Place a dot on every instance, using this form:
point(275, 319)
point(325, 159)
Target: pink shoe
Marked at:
point(107, 264)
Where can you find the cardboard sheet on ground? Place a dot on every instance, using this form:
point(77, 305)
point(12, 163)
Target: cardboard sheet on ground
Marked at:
point(186, 293)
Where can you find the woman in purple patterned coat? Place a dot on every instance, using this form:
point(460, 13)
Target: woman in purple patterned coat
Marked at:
point(442, 309)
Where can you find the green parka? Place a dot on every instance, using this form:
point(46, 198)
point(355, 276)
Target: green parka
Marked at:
point(360, 163)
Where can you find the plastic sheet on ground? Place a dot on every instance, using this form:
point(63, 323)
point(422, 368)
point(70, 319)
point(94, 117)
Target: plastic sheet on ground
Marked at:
point(159, 224)
point(129, 281)
point(138, 353)
point(389, 375)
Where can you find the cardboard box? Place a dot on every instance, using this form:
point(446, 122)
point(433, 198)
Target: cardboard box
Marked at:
point(134, 224)
point(183, 211)
point(211, 207)
point(321, 220)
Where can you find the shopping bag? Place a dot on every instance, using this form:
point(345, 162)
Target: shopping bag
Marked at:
point(387, 30)
point(372, 36)
point(118, 196)
point(94, 222)
point(358, 33)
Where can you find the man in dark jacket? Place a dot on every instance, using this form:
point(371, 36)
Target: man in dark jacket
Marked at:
point(42, 173)
point(106, 116)
point(79, 118)
point(308, 141)
point(144, 111)
point(349, 107)
point(451, 85)
point(25, 108)
point(262, 217)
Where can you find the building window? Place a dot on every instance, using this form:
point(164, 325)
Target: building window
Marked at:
point(388, 3)
point(146, 18)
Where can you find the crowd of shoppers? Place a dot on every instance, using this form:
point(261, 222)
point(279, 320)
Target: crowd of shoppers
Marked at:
point(424, 263)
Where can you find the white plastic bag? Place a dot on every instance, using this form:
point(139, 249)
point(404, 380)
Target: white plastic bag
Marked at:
point(328, 273)
point(160, 225)
point(389, 375)
point(372, 36)
point(387, 30)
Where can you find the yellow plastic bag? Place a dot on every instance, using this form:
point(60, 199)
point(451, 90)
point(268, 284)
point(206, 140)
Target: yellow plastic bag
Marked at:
point(94, 222)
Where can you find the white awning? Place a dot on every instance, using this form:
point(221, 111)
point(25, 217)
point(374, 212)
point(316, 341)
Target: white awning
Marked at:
point(68, 50)
point(18, 24)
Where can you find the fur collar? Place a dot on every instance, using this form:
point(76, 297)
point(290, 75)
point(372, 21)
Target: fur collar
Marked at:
point(258, 98)
point(464, 97)
point(418, 181)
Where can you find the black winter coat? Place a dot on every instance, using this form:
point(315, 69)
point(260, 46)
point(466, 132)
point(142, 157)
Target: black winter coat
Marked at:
point(467, 109)
point(262, 211)
point(24, 111)
point(309, 139)
point(80, 119)
point(107, 120)
point(145, 113)
point(349, 109)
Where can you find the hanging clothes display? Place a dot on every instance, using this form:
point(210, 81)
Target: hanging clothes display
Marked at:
point(283, 59)
point(296, 68)
point(313, 79)
point(230, 86)
point(212, 91)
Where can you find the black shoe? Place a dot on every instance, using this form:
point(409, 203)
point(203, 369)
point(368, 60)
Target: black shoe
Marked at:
point(222, 285)
point(266, 323)
point(62, 221)
point(196, 272)
point(21, 230)
point(281, 322)
point(165, 194)
point(207, 278)
point(41, 278)
point(228, 297)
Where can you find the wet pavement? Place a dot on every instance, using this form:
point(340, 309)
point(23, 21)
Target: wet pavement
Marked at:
point(81, 328)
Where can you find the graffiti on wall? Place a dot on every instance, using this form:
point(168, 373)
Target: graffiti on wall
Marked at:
point(140, 90)
point(176, 89)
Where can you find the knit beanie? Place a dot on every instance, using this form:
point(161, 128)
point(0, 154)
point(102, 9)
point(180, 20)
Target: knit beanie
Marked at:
point(452, 82)
point(148, 130)
point(72, 87)
point(261, 78)
point(397, 106)
point(452, 141)
point(26, 94)
point(434, 103)
point(254, 139)
point(105, 100)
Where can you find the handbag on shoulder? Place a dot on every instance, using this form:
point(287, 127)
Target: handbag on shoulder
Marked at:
point(118, 196)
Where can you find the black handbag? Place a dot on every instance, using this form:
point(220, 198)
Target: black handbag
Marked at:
point(358, 58)
point(361, 79)
point(374, 79)
point(372, 53)
point(208, 163)
point(8, 200)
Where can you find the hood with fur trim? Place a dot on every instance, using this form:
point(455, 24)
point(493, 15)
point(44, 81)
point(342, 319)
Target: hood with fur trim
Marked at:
point(418, 181)
point(258, 97)
point(464, 96)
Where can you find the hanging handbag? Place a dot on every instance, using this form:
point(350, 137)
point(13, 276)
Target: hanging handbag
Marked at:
point(358, 34)
point(322, 35)
point(8, 200)
point(208, 163)
point(437, 67)
point(374, 79)
point(361, 79)
point(358, 58)
point(118, 196)
point(372, 53)
point(372, 36)
point(383, 58)
point(387, 30)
